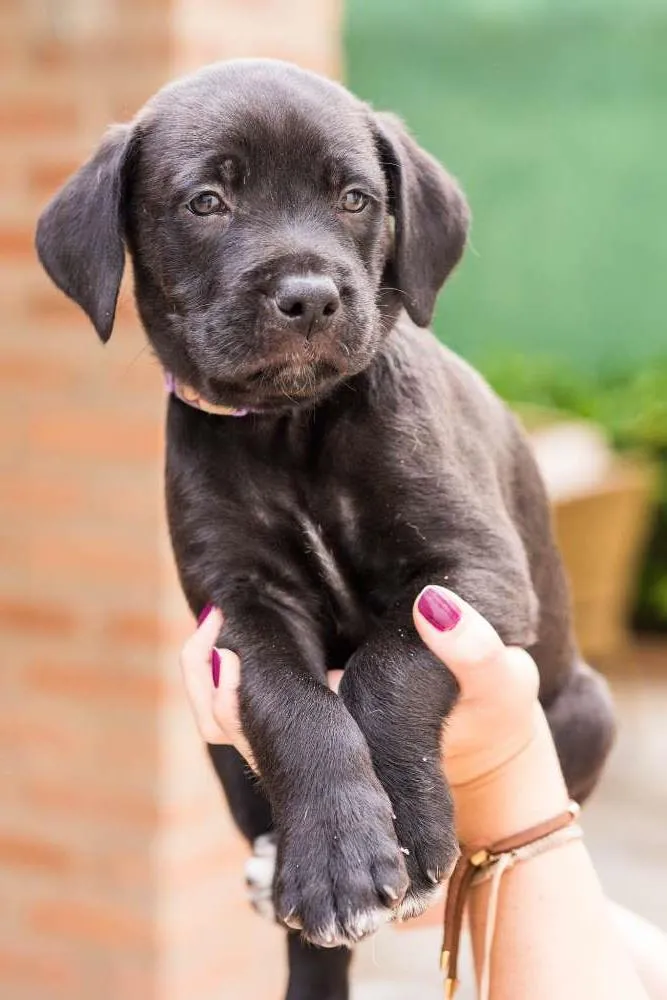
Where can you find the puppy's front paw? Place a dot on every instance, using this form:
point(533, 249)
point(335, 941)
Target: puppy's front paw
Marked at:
point(340, 870)
point(425, 828)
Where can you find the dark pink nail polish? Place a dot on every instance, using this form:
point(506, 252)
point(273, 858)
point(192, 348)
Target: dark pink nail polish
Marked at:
point(215, 667)
point(438, 610)
point(204, 614)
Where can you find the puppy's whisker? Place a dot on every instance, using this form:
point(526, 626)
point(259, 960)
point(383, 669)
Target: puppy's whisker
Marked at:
point(138, 355)
point(399, 291)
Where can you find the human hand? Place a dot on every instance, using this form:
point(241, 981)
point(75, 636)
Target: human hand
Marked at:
point(211, 679)
point(496, 716)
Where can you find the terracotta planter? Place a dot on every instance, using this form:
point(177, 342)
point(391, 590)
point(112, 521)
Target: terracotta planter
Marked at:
point(602, 516)
point(602, 535)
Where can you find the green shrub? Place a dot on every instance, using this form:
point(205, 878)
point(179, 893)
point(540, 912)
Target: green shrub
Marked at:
point(632, 408)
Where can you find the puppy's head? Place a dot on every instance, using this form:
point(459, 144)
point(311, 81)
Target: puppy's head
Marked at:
point(276, 226)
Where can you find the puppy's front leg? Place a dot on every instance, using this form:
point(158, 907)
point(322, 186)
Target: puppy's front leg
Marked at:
point(339, 869)
point(400, 695)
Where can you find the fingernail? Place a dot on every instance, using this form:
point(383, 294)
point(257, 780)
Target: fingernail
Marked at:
point(438, 610)
point(215, 667)
point(204, 614)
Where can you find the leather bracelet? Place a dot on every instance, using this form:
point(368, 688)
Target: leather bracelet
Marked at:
point(492, 862)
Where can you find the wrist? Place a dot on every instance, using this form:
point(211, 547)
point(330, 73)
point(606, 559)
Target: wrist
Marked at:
point(524, 790)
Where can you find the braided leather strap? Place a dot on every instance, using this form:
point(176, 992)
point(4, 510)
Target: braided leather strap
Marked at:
point(473, 864)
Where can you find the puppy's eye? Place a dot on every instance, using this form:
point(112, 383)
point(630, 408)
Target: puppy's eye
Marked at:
point(206, 203)
point(353, 201)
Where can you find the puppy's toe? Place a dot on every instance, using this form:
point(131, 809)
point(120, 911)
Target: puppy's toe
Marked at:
point(265, 846)
point(364, 922)
point(416, 902)
point(345, 932)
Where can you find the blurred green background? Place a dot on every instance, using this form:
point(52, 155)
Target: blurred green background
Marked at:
point(553, 114)
point(554, 117)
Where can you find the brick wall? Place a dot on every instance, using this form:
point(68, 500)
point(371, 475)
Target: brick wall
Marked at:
point(120, 875)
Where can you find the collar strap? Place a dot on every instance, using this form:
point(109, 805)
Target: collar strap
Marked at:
point(188, 395)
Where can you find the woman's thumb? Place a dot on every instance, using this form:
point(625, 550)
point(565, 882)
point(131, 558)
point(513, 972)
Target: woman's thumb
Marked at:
point(458, 635)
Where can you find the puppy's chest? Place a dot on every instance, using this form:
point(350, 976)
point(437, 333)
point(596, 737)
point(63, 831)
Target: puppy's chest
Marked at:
point(348, 555)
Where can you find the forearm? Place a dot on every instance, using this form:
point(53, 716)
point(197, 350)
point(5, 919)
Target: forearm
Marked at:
point(577, 952)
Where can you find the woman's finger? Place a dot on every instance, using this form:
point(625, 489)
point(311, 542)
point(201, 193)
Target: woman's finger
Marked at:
point(199, 645)
point(466, 643)
point(196, 659)
point(225, 704)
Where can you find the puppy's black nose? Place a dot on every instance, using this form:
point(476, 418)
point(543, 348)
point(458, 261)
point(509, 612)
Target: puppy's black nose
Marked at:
point(308, 301)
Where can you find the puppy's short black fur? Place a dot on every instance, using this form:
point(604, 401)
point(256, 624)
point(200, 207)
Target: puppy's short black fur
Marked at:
point(288, 244)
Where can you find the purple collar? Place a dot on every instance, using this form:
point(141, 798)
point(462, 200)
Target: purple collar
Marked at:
point(188, 395)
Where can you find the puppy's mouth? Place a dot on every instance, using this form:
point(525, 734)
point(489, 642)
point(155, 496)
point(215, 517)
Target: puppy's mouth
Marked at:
point(301, 379)
point(278, 384)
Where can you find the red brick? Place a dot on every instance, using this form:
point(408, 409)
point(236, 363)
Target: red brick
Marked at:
point(26, 493)
point(40, 492)
point(44, 738)
point(27, 852)
point(133, 984)
point(88, 710)
point(142, 629)
point(139, 49)
point(107, 807)
point(50, 56)
point(98, 681)
point(98, 437)
point(44, 178)
point(50, 620)
point(22, 371)
point(22, 968)
point(48, 305)
point(22, 117)
point(50, 737)
point(96, 923)
point(16, 243)
point(99, 559)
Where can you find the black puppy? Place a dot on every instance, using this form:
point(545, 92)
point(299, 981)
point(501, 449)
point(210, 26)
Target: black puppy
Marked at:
point(278, 228)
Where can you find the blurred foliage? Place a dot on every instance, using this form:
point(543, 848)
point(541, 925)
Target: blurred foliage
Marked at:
point(632, 409)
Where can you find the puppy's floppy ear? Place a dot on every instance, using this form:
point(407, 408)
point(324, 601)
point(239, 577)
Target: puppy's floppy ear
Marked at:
point(80, 232)
point(431, 217)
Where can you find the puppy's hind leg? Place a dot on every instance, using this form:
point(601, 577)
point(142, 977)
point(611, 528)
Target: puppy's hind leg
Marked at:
point(316, 973)
point(247, 802)
point(250, 810)
point(582, 721)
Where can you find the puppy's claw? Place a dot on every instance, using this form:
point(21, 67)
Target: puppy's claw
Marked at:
point(414, 905)
point(389, 893)
point(292, 921)
point(433, 876)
